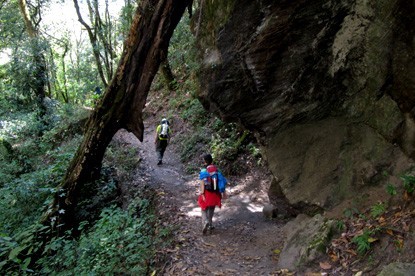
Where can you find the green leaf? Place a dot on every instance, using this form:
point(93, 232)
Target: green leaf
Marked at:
point(26, 264)
point(391, 189)
point(2, 264)
point(15, 252)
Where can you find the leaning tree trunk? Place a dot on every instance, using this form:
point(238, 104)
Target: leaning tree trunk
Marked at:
point(122, 104)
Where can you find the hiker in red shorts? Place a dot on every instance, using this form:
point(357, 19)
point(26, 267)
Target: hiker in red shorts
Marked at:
point(210, 196)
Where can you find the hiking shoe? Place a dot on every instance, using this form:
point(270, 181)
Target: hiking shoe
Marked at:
point(205, 228)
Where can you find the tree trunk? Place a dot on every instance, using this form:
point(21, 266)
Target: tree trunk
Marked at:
point(122, 104)
point(168, 75)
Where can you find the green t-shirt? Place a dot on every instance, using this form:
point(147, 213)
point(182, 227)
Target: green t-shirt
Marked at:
point(158, 130)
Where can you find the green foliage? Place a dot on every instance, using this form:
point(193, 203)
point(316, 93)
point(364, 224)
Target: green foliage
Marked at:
point(340, 225)
point(182, 53)
point(126, 17)
point(25, 68)
point(126, 159)
point(120, 242)
point(16, 250)
point(377, 210)
point(408, 183)
point(350, 212)
point(11, 23)
point(28, 192)
point(30, 174)
point(193, 143)
point(391, 189)
point(82, 78)
point(363, 241)
point(229, 142)
point(97, 195)
point(194, 113)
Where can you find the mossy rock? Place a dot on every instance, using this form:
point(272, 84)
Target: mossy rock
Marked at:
point(307, 239)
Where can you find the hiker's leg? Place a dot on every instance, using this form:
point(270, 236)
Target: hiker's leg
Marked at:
point(159, 155)
point(162, 152)
point(205, 223)
point(158, 148)
point(211, 211)
point(163, 147)
point(159, 152)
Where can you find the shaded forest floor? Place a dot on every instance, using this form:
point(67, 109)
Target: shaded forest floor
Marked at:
point(243, 241)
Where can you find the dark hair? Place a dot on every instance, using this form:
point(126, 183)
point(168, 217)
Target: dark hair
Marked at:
point(208, 158)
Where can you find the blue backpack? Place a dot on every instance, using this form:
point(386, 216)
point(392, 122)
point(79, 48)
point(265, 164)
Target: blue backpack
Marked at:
point(214, 182)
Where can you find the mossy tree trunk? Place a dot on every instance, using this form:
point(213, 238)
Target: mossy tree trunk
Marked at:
point(167, 73)
point(122, 104)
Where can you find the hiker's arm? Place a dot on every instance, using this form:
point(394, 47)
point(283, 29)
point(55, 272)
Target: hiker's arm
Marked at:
point(156, 137)
point(224, 194)
point(169, 135)
point(202, 188)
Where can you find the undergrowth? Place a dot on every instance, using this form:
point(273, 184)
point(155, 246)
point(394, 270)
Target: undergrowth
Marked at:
point(111, 239)
point(363, 234)
point(120, 242)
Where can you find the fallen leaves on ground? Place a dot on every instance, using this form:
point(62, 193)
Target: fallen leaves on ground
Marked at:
point(325, 265)
point(394, 224)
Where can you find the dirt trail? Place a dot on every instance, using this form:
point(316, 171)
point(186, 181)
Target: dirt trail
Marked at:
point(242, 243)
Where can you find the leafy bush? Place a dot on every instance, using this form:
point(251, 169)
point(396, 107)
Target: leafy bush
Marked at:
point(195, 113)
point(192, 144)
point(391, 189)
point(228, 143)
point(351, 212)
point(120, 242)
point(408, 183)
point(363, 241)
point(27, 193)
point(378, 209)
point(340, 225)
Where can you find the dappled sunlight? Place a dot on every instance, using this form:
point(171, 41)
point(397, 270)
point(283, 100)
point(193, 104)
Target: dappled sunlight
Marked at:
point(10, 128)
point(254, 208)
point(246, 200)
point(194, 212)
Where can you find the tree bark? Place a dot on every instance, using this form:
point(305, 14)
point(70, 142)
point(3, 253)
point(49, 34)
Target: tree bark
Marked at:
point(122, 104)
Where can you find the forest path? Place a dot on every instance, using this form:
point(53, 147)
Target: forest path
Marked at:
point(242, 243)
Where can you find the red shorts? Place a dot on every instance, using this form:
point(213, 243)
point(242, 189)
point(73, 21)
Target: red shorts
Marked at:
point(211, 199)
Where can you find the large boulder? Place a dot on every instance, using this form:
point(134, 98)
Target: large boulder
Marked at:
point(306, 240)
point(327, 86)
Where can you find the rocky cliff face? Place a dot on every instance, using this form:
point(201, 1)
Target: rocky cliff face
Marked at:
point(328, 86)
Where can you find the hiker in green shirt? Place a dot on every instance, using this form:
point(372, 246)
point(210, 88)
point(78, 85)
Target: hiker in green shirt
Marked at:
point(163, 134)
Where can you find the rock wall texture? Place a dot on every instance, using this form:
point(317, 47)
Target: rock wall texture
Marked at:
point(327, 86)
